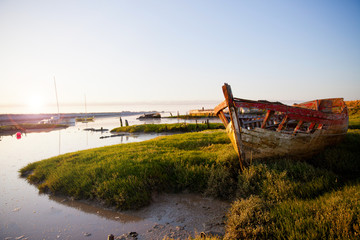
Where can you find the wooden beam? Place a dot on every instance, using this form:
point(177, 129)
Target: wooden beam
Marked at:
point(298, 127)
point(281, 125)
point(310, 128)
point(223, 118)
point(234, 113)
point(220, 107)
point(269, 113)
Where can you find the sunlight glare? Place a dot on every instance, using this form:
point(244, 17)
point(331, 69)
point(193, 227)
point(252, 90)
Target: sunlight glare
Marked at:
point(35, 104)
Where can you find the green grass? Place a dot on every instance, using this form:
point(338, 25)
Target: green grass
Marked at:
point(354, 121)
point(272, 199)
point(125, 175)
point(176, 127)
point(285, 199)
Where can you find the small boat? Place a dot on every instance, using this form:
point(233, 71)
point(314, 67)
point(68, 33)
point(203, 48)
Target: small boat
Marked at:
point(85, 119)
point(149, 116)
point(260, 129)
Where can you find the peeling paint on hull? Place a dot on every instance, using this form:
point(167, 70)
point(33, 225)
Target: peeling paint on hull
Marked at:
point(276, 129)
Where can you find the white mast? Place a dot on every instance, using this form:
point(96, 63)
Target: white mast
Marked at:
point(85, 107)
point(57, 101)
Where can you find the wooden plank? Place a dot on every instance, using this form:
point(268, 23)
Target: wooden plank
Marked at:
point(281, 125)
point(269, 113)
point(235, 123)
point(220, 107)
point(296, 112)
point(310, 128)
point(297, 127)
point(223, 118)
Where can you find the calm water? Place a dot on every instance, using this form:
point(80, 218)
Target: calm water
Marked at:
point(25, 212)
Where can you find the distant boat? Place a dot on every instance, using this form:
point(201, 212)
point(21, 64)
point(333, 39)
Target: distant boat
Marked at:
point(85, 119)
point(149, 116)
point(56, 119)
point(52, 120)
point(268, 129)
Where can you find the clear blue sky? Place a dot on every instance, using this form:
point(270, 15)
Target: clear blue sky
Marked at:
point(135, 51)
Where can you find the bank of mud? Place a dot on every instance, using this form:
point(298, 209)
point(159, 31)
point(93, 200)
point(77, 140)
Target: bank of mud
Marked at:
point(176, 216)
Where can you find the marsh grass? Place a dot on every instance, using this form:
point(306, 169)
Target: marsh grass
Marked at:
point(175, 127)
point(125, 175)
point(315, 199)
point(272, 199)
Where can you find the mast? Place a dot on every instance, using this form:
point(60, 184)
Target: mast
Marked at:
point(85, 107)
point(57, 101)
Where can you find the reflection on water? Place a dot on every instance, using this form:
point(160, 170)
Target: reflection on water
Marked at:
point(99, 211)
point(37, 216)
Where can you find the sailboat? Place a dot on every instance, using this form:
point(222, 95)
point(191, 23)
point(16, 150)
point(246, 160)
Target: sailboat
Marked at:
point(54, 119)
point(85, 119)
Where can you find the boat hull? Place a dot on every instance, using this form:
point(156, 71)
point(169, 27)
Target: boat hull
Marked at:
point(262, 129)
point(262, 143)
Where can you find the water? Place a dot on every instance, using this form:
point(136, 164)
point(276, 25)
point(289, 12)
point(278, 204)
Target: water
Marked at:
point(37, 216)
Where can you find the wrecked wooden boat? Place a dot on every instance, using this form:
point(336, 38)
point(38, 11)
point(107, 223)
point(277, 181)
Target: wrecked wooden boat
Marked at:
point(260, 129)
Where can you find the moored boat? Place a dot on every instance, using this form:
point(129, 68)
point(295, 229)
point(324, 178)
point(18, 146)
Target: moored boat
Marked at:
point(84, 119)
point(149, 116)
point(259, 129)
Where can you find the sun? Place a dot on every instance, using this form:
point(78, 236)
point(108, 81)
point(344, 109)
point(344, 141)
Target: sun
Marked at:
point(35, 104)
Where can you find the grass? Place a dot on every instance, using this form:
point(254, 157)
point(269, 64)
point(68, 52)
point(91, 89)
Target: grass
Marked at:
point(272, 199)
point(176, 127)
point(125, 175)
point(316, 199)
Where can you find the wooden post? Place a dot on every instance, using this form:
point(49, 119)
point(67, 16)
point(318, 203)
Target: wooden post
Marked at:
point(236, 123)
point(121, 123)
point(126, 123)
point(110, 237)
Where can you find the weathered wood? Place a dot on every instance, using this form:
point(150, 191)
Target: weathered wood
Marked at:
point(298, 126)
point(281, 125)
point(236, 124)
point(220, 107)
point(269, 113)
point(303, 129)
point(311, 127)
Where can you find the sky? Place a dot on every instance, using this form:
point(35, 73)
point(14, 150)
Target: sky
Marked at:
point(167, 51)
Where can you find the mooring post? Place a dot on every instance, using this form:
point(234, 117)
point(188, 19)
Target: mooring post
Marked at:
point(110, 237)
point(126, 123)
point(121, 123)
